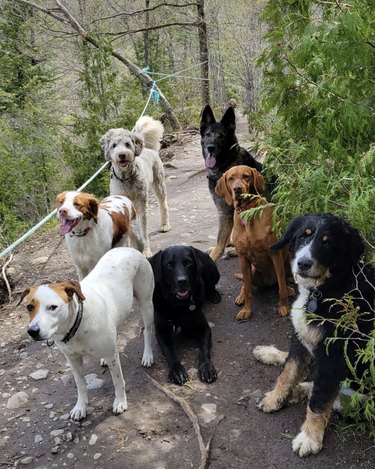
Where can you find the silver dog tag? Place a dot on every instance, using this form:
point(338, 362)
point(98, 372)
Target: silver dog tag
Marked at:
point(312, 305)
point(192, 307)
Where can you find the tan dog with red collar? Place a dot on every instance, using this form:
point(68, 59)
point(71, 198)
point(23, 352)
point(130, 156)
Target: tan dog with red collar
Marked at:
point(92, 228)
point(83, 318)
point(252, 239)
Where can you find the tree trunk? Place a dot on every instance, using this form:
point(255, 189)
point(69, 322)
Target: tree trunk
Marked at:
point(203, 52)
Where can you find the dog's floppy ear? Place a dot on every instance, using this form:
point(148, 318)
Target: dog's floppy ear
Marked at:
point(222, 190)
point(23, 295)
point(200, 258)
point(72, 287)
point(105, 142)
point(229, 119)
point(207, 118)
point(138, 141)
point(93, 207)
point(353, 244)
point(288, 233)
point(155, 262)
point(206, 266)
point(259, 184)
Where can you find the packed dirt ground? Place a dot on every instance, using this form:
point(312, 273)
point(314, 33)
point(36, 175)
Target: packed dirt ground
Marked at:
point(157, 430)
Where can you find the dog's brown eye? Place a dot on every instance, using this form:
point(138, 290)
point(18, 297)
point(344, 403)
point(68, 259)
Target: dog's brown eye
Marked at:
point(325, 240)
point(169, 266)
point(187, 263)
point(30, 307)
point(52, 308)
point(127, 144)
point(114, 145)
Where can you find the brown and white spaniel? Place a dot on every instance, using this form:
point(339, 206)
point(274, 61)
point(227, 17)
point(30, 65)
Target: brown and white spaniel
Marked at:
point(92, 228)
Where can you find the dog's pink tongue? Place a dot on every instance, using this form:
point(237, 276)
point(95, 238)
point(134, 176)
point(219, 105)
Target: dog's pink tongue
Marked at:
point(210, 161)
point(66, 225)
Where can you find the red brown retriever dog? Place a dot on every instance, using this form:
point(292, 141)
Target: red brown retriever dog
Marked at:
point(259, 264)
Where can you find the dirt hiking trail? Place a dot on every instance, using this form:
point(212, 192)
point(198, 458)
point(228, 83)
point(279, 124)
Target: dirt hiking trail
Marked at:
point(157, 431)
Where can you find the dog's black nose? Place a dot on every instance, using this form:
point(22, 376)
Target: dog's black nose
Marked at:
point(122, 156)
point(182, 281)
point(237, 189)
point(33, 331)
point(305, 264)
point(210, 148)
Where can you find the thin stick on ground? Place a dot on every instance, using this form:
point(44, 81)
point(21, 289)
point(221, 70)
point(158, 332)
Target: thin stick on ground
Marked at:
point(205, 449)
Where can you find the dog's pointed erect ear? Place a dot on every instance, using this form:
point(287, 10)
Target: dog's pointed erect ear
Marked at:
point(229, 119)
point(222, 190)
point(104, 143)
point(138, 141)
point(155, 262)
point(23, 295)
point(288, 233)
point(207, 118)
point(72, 287)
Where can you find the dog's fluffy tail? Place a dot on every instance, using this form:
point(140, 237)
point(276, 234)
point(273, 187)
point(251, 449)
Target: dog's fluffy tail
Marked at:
point(152, 131)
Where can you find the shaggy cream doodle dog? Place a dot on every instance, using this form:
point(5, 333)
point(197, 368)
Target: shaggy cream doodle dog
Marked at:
point(136, 166)
point(83, 318)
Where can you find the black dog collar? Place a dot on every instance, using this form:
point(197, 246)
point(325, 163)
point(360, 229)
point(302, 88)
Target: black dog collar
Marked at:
point(76, 324)
point(71, 333)
point(113, 173)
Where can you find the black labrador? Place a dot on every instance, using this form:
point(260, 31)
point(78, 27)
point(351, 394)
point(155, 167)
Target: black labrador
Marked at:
point(184, 278)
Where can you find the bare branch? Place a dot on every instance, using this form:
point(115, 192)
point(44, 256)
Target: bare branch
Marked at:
point(140, 12)
point(142, 76)
point(150, 28)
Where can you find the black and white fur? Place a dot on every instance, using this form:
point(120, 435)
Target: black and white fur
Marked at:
point(326, 254)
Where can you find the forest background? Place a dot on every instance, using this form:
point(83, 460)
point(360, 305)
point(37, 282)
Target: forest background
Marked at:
point(303, 71)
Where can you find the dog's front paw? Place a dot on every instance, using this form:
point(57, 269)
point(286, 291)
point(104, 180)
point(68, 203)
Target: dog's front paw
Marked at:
point(78, 412)
point(304, 445)
point(178, 374)
point(119, 406)
point(147, 252)
point(214, 297)
point(269, 403)
point(147, 359)
point(244, 314)
point(269, 355)
point(283, 310)
point(166, 227)
point(207, 372)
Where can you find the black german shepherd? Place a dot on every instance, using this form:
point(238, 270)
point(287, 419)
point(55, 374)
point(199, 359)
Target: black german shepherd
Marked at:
point(221, 151)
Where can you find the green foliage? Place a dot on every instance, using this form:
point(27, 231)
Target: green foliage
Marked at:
point(30, 171)
point(318, 102)
point(359, 405)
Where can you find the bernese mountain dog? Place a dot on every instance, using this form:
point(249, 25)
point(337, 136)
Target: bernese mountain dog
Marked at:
point(326, 259)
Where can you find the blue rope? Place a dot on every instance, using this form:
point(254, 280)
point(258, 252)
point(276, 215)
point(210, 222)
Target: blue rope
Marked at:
point(155, 97)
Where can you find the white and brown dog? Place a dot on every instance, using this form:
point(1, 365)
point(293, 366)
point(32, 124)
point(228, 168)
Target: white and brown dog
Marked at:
point(92, 228)
point(136, 166)
point(83, 318)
